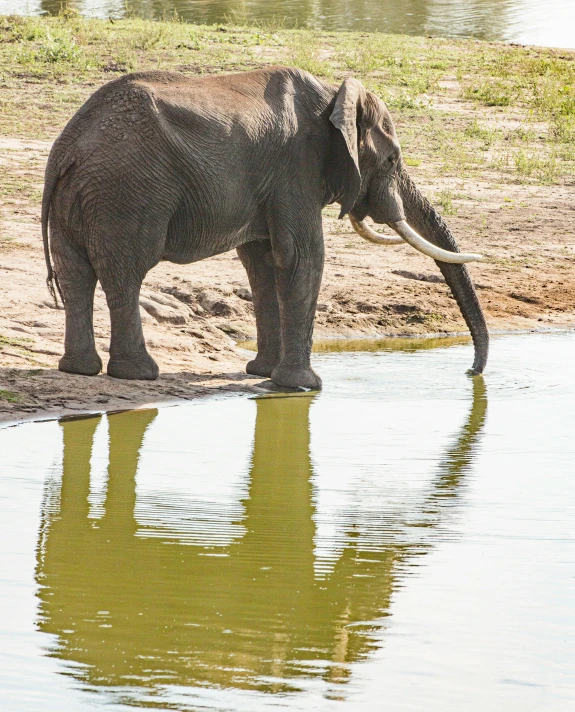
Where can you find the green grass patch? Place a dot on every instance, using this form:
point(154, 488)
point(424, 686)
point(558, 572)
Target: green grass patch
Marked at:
point(50, 65)
point(540, 165)
point(444, 199)
point(22, 342)
point(10, 396)
point(484, 135)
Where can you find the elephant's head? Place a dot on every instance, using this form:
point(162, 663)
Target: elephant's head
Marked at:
point(373, 182)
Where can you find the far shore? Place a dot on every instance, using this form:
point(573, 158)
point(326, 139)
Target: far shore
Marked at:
point(488, 131)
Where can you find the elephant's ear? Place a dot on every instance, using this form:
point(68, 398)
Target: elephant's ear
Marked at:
point(345, 117)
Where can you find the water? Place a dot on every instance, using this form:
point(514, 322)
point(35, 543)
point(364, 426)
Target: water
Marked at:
point(403, 541)
point(395, 343)
point(548, 23)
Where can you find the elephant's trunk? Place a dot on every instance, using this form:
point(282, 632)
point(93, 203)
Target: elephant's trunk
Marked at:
point(421, 215)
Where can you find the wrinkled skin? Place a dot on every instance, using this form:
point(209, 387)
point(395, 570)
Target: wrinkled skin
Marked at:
point(157, 166)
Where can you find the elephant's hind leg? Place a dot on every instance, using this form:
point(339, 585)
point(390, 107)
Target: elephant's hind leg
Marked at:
point(257, 258)
point(77, 281)
point(129, 357)
point(121, 278)
point(123, 250)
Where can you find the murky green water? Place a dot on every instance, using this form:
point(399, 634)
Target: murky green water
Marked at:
point(396, 344)
point(550, 22)
point(403, 541)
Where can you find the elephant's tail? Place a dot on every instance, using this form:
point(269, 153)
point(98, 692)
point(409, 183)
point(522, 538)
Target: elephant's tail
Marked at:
point(50, 181)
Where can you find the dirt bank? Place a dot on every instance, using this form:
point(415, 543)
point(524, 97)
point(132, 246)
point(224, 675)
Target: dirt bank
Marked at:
point(520, 215)
point(194, 314)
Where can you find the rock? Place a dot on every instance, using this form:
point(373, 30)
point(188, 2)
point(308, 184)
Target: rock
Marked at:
point(163, 313)
point(243, 293)
point(366, 308)
point(237, 330)
point(47, 352)
point(182, 295)
point(50, 303)
point(146, 318)
point(166, 300)
point(214, 303)
point(418, 276)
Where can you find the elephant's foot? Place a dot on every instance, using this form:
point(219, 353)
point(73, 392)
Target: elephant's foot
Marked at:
point(83, 364)
point(262, 365)
point(140, 367)
point(296, 377)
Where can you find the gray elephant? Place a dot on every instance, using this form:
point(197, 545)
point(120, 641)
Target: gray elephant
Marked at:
point(158, 166)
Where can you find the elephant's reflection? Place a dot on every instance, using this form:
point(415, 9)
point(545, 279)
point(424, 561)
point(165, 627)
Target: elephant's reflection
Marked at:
point(135, 611)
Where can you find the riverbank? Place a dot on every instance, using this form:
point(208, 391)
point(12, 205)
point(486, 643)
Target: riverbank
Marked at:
point(488, 132)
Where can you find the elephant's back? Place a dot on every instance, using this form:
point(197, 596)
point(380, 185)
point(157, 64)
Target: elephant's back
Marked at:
point(114, 112)
point(155, 108)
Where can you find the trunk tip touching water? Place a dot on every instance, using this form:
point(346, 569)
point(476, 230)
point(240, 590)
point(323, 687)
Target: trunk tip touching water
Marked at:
point(423, 217)
point(481, 354)
point(461, 286)
point(476, 370)
point(481, 343)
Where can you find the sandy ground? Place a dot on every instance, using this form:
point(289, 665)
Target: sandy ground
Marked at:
point(195, 314)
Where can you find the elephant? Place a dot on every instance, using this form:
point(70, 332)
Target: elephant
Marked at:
point(160, 166)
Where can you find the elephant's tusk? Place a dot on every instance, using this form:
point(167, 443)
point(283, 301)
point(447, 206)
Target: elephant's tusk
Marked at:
point(419, 243)
point(408, 234)
point(363, 230)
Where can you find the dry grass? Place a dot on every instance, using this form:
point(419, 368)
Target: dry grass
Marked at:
point(464, 106)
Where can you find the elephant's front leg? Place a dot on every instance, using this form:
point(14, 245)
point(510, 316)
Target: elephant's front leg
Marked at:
point(257, 258)
point(298, 255)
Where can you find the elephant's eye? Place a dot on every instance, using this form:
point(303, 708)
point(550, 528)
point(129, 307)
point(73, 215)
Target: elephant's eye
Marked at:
point(393, 157)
